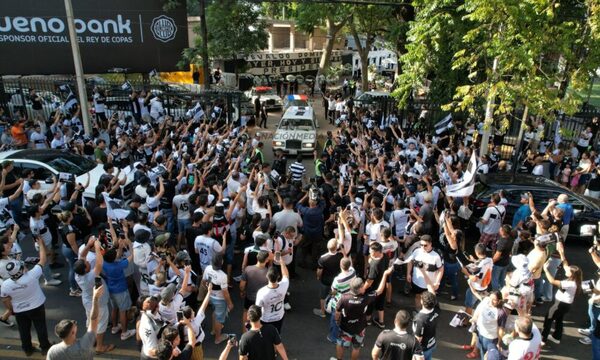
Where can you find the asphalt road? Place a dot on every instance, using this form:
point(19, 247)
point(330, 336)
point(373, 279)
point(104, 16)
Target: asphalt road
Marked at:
point(304, 335)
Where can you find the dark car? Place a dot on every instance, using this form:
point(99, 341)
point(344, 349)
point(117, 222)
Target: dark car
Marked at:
point(587, 210)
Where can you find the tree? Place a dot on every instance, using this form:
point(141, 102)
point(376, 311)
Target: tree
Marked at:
point(333, 16)
point(515, 53)
point(234, 29)
point(368, 21)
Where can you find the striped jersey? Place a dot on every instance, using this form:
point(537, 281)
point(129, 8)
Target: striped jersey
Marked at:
point(297, 171)
point(341, 284)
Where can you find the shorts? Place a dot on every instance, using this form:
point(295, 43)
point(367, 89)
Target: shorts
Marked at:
point(488, 240)
point(248, 303)
point(470, 299)
point(347, 340)
point(220, 308)
point(121, 301)
point(102, 317)
point(183, 225)
point(324, 291)
point(415, 289)
point(277, 324)
point(379, 303)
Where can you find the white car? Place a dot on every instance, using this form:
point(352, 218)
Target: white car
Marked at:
point(297, 131)
point(48, 163)
point(267, 97)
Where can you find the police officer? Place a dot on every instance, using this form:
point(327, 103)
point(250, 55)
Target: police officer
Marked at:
point(23, 296)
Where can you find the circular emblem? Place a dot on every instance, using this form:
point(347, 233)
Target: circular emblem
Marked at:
point(403, 346)
point(163, 28)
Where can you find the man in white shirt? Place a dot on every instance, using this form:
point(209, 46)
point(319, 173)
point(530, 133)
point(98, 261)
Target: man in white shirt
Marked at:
point(271, 298)
point(425, 269)
point(38, 139)
point(206, 247)
point(181, 207)
point(491, 222)
point(23, 296)
point(529, 343)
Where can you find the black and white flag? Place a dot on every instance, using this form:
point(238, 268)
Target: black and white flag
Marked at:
point(126, 86)
point(114, 209)
point(444, 124)
point(195, 113)
point(71, 100)
point(153, 73)
point(466, 185)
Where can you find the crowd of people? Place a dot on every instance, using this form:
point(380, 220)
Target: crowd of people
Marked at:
point(209, 216)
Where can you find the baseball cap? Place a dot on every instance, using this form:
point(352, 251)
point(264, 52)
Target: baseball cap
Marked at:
point(162, 239)
point(524, 196)
point(167, 294)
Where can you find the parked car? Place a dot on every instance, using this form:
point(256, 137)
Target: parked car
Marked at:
point(587, 210)
point(267, 96)
point(48, 163)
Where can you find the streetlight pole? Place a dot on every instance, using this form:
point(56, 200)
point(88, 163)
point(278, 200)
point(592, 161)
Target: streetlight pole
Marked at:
point(83, 103)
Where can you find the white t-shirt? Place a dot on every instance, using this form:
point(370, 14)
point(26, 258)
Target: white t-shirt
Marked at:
point(197, 326)
point(399, 219)
point(431, 262)
point(485, 266)
point(169, 312)
point(487, 322)
point(271, 301)
point(289, 245)
point(25, 292)
point(566, 292)
point(520, 349)
point(182, 202)
point(148, 331)
point(39, 140)
point(206, 247)
point(493, 215)
point(219, 280)
point(373, 230)
point(538, 170)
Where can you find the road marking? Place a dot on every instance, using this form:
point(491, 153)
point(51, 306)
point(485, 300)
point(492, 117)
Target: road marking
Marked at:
point(16, 342)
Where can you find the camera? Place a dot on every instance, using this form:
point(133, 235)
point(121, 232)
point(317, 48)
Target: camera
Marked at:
point(314, 193)
point(587, 286)
point(547, 239)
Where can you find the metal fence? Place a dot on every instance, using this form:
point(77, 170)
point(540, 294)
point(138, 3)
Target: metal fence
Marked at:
point(177, 98)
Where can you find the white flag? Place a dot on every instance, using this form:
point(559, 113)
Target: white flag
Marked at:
point(114, 209)
point(444, 124)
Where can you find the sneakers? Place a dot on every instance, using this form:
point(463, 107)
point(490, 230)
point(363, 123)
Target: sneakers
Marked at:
point(56, 275)
point(452, 298)
point(7, 322)
point(115, 330)
point(331, 340)
point(585, 340)
point(553, 339)
point(584, 332)
point(539, 301)
point(545, 299)
point(127, 334)
point(237, 278)
point(53, 282)
point(379, 324)
point(75, 293)
point(287, 306)
point(318, 313)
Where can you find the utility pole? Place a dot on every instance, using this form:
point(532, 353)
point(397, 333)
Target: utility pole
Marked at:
point(83, 103)
point(204, 47)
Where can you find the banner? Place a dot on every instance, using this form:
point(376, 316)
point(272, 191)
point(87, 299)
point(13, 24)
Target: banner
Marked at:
point(444, 124)
point(114, 209)
point(137, 35)
point(288, 62)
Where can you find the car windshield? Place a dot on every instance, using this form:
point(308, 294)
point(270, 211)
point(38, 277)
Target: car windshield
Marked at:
point(296, 124)
point(61, 162)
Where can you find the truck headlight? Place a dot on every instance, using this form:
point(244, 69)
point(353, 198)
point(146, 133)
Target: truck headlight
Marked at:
point(308, 145)
point(277, 143)
point(587, 230)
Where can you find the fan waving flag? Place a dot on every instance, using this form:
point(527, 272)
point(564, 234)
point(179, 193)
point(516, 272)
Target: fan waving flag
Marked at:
point(196, 112)
point(444, 124)
point(126, 86)
point(114, 209)
point(466, 185)
point(71, 100)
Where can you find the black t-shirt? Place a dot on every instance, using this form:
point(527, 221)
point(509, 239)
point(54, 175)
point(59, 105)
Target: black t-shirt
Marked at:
point(330, 263)
point(376, 270)
point(354, 316)
point(99, 216)
point(10, 179)
point(259, 344)
point(424, 326)
point(36, 102)
point(398, 346)
point(504, 246)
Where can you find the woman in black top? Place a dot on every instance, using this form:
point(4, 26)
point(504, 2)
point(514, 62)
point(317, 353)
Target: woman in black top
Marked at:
point(71, 239)
point(452, 243)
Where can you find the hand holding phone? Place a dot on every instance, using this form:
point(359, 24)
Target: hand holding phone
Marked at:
point(277, 256)
point(97, 282)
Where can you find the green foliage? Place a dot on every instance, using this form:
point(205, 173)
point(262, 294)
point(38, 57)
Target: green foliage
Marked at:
point(234, 29)
point(541, 47)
